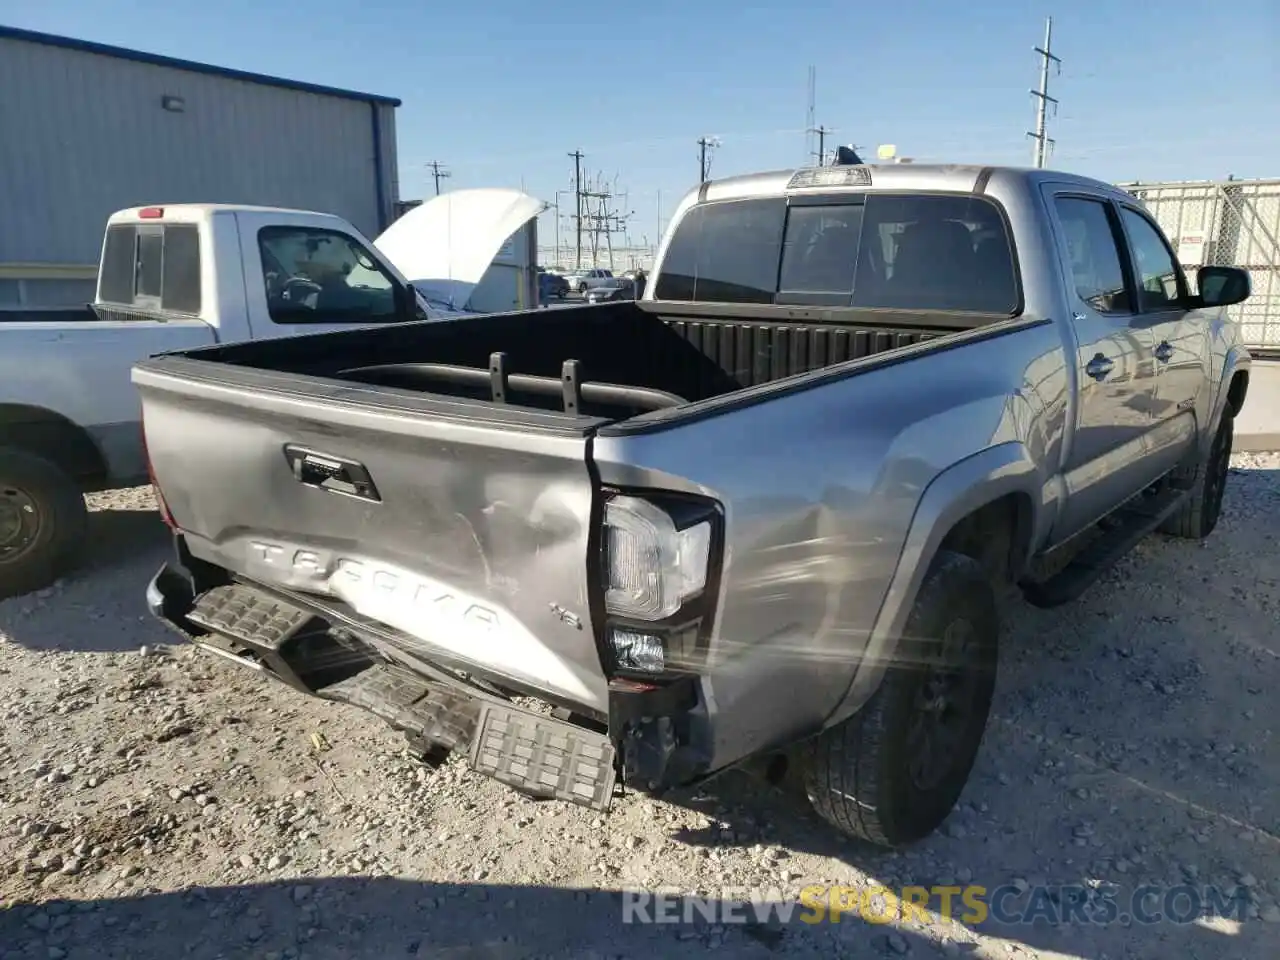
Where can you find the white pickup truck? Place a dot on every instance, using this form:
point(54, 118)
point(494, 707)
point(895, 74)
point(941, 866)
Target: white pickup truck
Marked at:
point(179, 276)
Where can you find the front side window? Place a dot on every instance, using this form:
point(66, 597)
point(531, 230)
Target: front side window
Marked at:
point(1092, 249)
point(323, 276)
point(1159, 279)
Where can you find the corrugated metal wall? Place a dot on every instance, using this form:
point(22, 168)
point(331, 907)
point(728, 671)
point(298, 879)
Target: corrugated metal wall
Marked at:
point(82, 135)
point(1227, 223)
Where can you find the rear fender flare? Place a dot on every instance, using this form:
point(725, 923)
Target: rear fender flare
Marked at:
point(950, 496)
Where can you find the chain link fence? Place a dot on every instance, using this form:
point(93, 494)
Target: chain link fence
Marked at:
point(1234, 223)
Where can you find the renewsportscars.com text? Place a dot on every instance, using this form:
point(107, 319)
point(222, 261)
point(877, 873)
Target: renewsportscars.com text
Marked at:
point(970, 905)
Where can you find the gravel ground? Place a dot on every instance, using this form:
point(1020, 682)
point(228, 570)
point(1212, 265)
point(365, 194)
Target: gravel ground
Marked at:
point(155, 803)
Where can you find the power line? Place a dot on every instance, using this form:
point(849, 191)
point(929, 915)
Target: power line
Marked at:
point(438, 172)
point(1042, 95)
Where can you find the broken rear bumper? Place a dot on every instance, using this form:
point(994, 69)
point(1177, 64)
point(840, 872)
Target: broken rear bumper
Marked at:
point(646, 740)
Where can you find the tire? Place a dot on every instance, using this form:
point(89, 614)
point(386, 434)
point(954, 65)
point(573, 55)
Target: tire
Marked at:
point(43, 522)
point(863, 775)
point(1197, 518)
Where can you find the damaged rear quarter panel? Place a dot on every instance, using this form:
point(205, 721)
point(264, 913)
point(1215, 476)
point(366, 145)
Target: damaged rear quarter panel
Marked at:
point(820, 488)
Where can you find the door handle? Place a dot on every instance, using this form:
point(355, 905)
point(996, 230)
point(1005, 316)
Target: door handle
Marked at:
point(1099, 367)
point(1164, 352)
point(333, 474)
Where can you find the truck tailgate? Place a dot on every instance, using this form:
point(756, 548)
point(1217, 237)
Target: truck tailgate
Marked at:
point(465, 534)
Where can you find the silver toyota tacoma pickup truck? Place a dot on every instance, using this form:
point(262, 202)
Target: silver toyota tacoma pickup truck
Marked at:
point(766, 516)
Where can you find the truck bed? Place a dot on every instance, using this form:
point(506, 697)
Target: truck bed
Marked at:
point(688, 352)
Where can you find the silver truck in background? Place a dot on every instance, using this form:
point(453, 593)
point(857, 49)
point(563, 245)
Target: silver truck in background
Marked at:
point(765, 515)
point(177, 276)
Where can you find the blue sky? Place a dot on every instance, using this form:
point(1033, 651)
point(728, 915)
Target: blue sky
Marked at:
point(501, 91)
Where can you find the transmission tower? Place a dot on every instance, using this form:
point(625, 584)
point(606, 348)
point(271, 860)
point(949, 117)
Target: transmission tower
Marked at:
point(602, 218)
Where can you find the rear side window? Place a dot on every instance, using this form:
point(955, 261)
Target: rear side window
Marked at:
point(878, 251)
point(156, 266)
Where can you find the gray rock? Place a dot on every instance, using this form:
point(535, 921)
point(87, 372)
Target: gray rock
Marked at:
point(897, 944)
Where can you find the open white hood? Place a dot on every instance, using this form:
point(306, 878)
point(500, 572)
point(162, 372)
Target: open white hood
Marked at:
point(445, 246)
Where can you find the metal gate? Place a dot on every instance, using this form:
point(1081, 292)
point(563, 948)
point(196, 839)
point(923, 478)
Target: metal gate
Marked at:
point(1227, 223)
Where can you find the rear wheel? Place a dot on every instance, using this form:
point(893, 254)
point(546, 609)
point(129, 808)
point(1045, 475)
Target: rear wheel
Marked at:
point(891, 773)
point(42, 522)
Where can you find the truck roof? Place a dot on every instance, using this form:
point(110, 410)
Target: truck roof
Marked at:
point(194, 211)
point(891, 176)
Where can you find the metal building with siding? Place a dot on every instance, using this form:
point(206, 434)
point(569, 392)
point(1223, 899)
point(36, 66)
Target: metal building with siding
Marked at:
point(87, 129)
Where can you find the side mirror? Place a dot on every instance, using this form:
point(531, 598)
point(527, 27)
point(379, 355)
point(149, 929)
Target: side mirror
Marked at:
point(1223, 286)
point(407, 304)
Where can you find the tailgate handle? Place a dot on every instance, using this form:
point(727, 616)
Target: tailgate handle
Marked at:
point(324, 471)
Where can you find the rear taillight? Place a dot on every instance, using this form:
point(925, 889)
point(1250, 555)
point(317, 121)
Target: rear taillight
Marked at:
point(659, 564)
point(165, 515)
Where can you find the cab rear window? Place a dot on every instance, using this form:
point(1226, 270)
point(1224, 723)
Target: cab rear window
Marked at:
point(947, 252)
point(152, 267)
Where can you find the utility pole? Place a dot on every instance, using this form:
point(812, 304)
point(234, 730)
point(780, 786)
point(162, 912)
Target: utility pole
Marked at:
point(822, 144)
point(577, 194)
point(438, 172)
point(1042, 96)
point(810, 120)
point(704, 162)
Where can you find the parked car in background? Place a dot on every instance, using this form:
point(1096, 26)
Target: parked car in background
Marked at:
point(580, 281)
point(181, 275)
point(551, 286)
point(615, 288)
